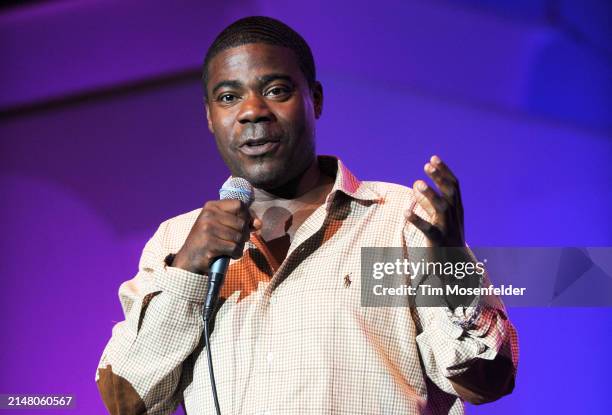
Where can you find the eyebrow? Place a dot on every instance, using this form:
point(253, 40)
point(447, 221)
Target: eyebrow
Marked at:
point(266, 79)
point(226, 84)
point(261, 80)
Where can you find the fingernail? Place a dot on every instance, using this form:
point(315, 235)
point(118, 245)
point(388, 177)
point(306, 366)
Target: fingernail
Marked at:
point(435, 160)
point(421, 186)
point(431, 168)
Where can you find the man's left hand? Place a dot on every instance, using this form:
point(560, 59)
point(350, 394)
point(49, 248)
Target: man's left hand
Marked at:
point(444, 208)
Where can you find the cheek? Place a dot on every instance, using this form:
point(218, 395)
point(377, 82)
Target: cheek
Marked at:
point(222, 125)
point(308, 106)
point(227, 120)
point(295, 119)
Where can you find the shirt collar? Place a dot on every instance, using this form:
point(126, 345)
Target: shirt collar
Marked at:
point(345, 181)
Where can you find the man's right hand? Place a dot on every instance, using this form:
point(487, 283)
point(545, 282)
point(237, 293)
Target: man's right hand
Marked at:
point(221, 229)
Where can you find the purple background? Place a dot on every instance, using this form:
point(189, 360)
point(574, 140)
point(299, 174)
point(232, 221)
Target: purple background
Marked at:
point(103, 137)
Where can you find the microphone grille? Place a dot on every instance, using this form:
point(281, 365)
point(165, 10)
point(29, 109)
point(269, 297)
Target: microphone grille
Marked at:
point(237, 188)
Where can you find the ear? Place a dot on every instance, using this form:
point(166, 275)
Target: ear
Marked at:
point(210, 126)
point(317, 99)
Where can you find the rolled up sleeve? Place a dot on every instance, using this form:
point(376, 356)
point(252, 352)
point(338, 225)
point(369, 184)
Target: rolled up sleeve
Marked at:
point(141, 365)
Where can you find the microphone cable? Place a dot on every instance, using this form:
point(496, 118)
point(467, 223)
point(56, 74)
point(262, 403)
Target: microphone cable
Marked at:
point(211, 372)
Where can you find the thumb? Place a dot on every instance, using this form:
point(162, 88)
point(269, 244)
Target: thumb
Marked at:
point(256, 224)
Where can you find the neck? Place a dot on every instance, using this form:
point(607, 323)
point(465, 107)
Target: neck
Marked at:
point(283, 210)
point(295, 189)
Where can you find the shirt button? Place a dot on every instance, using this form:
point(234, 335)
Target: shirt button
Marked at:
point(269, 357)
point(272, 300)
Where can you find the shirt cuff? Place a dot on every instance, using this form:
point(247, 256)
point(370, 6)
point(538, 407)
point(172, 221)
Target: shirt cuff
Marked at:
point(181, 283)
point(465, 317)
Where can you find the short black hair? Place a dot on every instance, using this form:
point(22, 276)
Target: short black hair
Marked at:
point(262, 29)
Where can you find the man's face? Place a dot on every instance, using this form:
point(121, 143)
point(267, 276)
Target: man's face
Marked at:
point(262, 113)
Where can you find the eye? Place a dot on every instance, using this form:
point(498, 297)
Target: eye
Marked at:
point(227, 98)
point(279, 91)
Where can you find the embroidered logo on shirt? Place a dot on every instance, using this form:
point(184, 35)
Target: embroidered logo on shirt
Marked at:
point(347, 280)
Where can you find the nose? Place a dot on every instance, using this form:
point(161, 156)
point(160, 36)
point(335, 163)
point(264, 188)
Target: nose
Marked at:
point(254, 109)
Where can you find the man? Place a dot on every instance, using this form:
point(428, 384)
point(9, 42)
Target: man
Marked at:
point(291, 336)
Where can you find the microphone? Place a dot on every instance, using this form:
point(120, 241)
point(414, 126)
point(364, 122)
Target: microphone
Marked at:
point(234, 188)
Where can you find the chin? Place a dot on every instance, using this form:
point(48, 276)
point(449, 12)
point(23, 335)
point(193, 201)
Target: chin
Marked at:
point(267, 180)
point(270, 172)
point(258, 174)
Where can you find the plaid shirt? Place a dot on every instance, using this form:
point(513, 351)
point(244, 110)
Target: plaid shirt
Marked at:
point(293, 338)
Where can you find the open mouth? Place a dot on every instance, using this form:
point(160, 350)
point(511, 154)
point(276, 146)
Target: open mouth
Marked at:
point(259, 147)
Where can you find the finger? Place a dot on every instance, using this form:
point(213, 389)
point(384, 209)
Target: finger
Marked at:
point(430, 231)
point(238, 223)
point(448, 188)
point(232, 206)
point(446, 172)
point(224, 248)
point(429, 200)
point(226, 233)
